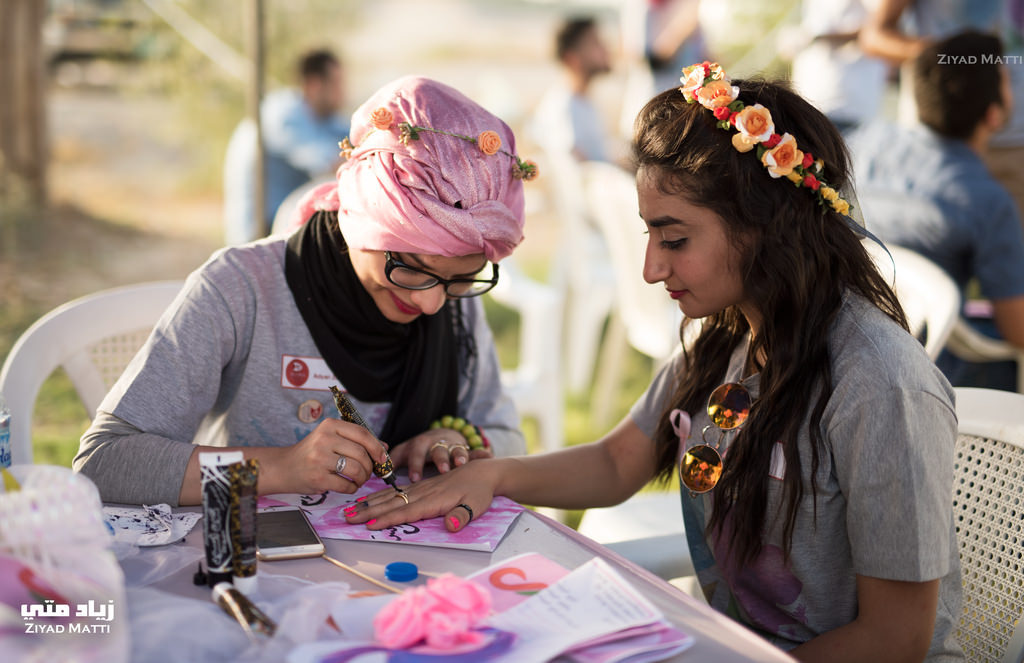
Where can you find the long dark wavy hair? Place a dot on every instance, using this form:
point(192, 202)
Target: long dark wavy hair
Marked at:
point(797, 260)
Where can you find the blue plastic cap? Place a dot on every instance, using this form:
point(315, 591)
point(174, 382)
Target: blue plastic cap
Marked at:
point(401, 571)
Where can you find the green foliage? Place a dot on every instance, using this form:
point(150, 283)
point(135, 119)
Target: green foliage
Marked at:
point(58, 422)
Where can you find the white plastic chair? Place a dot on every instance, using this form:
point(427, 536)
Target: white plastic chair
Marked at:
point(643, 317)
point(92, 338)
point(283, 215)
point(988, 508)
point(650, 318)
point(929, 296)
point(970, 345)
point(536, 383)
point(581, 268)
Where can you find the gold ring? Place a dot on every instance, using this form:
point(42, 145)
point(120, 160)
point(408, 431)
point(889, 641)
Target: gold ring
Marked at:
point(458, 446)
point(404, 497)
point(442, 443)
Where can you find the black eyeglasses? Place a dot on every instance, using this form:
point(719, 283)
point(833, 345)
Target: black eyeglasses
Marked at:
point(413, 278)
point(700, 468)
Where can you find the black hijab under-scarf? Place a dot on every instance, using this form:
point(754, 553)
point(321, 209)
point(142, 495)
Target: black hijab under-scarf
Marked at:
point(413, 366)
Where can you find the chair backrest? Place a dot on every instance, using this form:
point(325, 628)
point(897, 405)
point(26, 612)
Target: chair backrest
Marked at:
point(651, 318)
point(928, 295)
point(988, 509)
point(535, 384)
point(92, 338)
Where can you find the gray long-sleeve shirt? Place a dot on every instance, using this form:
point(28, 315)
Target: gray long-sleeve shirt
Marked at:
point(231, 363)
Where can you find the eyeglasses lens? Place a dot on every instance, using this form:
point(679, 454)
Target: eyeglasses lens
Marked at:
point(701, 466)
point(729, 406)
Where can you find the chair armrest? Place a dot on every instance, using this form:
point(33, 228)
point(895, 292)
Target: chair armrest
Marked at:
point(971, 345)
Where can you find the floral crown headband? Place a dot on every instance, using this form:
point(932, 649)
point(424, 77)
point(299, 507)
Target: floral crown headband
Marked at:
point(489, 142)
point(707, 84)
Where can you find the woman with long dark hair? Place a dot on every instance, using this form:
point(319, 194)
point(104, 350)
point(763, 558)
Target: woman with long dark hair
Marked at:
point(812, 434)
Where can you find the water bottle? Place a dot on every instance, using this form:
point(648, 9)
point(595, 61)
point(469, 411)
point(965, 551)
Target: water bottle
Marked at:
point(5, 434)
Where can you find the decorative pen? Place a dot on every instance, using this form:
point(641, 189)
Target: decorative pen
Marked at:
point(348, 412)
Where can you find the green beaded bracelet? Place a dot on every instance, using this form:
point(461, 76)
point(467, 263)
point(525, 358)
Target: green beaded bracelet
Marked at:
point(474, 436)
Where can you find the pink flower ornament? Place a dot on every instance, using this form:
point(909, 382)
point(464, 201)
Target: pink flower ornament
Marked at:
point(443, 614)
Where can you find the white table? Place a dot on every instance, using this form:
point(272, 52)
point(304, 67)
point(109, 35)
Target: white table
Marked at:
point(717, 638)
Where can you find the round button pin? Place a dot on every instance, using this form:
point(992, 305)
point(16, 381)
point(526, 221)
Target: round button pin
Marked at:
point(310, 411)
point(401, 571)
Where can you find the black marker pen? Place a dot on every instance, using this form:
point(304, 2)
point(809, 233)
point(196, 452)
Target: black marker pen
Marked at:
point(348, 412)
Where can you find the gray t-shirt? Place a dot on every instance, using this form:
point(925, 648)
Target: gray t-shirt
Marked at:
point(231, 363)
point(884, 487)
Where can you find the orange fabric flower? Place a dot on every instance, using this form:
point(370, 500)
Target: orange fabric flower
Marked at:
point(755, 123)
point(381, 118)
point(489, 142)
point(781, 159)
point(717, 93)
point(692, 79)
point(525, 170)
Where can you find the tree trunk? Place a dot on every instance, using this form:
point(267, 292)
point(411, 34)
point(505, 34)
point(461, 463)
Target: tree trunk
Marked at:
point(24, 148)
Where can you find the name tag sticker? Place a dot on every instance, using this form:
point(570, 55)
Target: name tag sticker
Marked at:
point(306, 373)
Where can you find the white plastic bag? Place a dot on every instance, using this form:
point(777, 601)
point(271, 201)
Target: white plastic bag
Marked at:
point(61, 588)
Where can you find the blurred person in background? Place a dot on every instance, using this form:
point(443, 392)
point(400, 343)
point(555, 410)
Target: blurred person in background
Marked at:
point(968, 223)
point(301, 129)
point(567, 119)
point(659, 38)
point(831, 70)
point(673, 37)
point(897, 30)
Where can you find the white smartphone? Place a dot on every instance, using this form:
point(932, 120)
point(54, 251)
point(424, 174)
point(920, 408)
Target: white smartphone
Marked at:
point(284, 533)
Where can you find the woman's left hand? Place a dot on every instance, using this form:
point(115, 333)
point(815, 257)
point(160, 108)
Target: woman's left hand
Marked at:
point(444, 447)
point(458, 496)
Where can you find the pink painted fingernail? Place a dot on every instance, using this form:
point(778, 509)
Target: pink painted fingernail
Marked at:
point(360, 499)
point(414, 477)
point(454, 521)
point(350, 511)
point(371, 521)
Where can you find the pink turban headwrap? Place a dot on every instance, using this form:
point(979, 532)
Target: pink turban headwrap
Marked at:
point(395, 197)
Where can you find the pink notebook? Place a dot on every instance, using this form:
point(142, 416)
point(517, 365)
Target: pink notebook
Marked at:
point(325, 512)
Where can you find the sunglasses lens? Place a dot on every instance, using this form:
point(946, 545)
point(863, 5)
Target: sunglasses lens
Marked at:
point(729, 406)
point(700, 468)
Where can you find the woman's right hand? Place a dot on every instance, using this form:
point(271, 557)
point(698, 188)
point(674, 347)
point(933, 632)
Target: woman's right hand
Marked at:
point(471, 485)
point(310, 465)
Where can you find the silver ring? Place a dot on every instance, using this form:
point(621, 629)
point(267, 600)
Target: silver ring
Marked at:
point(339, 467)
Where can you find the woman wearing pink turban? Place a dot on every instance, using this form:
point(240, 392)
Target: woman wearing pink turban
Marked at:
point(374, 291)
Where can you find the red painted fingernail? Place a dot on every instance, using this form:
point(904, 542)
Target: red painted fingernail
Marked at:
point(371, 521)
point(350, 511)
point(360, 499)
point(454, 521)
